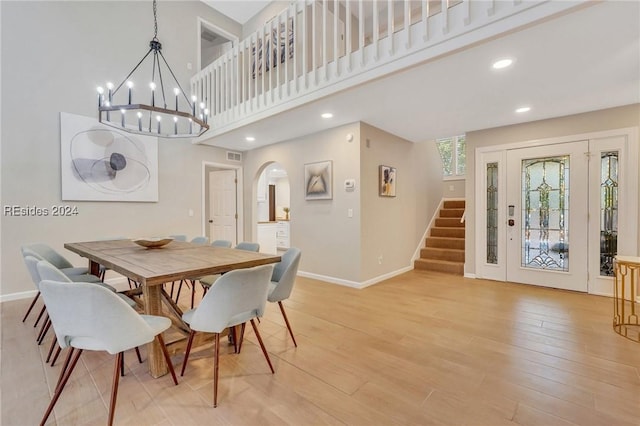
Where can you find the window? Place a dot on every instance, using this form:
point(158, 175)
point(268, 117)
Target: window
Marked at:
point(453, 156)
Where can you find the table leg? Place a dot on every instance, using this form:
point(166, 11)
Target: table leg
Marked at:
point(153, 306)
point(94, 268)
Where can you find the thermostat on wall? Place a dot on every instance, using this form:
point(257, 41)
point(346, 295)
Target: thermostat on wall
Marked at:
point(349, 184)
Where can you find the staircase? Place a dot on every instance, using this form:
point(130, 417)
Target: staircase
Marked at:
point(444, 251)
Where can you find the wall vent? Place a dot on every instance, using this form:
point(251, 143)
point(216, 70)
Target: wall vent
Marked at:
point(234, 156)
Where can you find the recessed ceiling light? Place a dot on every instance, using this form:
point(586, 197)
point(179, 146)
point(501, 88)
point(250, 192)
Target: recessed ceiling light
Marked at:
point(250, 139)
point(523, 109)
point(502, 63)
point(327, 115)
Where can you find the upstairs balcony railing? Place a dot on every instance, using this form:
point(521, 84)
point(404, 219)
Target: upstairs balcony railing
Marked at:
point(315, 48)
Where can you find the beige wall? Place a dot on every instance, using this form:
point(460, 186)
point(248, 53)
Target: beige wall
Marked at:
point(338, 247)
point(613, 118)
point(392, 227)
point(54, 55)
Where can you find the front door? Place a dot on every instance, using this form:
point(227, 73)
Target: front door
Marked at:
point(556, 215)
point(547, 213)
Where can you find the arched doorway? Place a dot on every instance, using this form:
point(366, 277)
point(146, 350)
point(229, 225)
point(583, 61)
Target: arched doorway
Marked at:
point(272, 208)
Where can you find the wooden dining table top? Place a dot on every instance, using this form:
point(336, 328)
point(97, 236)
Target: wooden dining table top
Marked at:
point(172, 262)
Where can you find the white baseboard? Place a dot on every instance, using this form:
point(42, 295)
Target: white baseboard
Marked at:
point(469, 275)
point(17, 296)
point(354, 284)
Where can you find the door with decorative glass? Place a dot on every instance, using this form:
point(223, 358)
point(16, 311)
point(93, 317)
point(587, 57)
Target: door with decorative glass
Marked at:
point(547, 215)
point(556, 215)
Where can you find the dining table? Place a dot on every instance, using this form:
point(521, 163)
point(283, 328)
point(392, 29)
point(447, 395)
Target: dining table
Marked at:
point(151, 267)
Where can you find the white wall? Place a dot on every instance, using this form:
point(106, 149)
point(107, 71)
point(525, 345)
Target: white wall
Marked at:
point(608, 119)
point(54, 55)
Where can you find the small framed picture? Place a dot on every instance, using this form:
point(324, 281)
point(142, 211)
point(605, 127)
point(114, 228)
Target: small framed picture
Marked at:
point(318, 181)
point(387, 181)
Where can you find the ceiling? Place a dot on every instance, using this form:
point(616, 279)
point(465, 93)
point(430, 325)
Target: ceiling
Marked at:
point(238, 10)
point(581, 61)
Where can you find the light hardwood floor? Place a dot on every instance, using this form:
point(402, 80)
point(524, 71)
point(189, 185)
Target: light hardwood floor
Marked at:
point(421, 348)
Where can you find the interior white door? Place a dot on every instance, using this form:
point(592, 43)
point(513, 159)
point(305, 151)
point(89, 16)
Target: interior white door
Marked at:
point(547, 215)
point(223, 220)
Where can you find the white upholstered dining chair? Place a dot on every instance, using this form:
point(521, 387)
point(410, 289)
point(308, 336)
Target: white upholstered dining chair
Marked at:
point(90, 317)
point(282, 280)
point(238, 296)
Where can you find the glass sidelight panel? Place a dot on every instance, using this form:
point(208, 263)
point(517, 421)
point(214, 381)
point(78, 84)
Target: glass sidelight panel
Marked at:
point(545, 213)
point(608, 211)
point(492, 213)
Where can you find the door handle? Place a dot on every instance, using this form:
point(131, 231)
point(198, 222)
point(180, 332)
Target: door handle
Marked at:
point(210, 221)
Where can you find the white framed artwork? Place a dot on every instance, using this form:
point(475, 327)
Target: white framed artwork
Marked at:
point(100, 163)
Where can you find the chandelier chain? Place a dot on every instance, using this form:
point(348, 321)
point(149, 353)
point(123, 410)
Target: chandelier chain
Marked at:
point(155, 20)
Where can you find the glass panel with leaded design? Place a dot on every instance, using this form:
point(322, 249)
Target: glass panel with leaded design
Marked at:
point(545, 213)
point(492, 213)
point(608, 211)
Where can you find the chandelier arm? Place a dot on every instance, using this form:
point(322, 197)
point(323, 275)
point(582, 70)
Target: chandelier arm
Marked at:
point(132, 71)
point(164, 99)
point(176, 80)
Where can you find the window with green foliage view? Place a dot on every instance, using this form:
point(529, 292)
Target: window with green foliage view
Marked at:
point(453, 156)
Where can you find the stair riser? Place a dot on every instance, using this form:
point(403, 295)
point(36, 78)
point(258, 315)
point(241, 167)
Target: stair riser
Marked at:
point(440, 254)
point(454, 268)
point(454, 204)
point(448, 243)
point(449, 222)
point(451, 213)
point(447, 232)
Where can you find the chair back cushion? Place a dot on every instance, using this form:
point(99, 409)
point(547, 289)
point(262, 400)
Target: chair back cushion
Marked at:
point(32, 267)
point(284, 275)
point(46, 271)
point(47, 253)
point(200, 240)
point(221, 243)
point(248, 246)
point(235, 298)
point(88, 316)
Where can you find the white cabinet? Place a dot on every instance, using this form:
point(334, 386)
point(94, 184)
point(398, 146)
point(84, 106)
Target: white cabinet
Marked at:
point(267, 237)
point(282, 235)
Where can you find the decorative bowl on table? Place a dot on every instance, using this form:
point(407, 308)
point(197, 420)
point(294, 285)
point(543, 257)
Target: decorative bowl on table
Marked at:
point(153, 242)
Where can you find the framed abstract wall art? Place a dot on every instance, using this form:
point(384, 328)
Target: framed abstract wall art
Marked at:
point(100, 163)
point(387, 181)
point(318, 179)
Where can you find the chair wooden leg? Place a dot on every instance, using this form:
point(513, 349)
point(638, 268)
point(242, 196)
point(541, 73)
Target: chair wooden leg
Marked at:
point(138, 355)
point(167, 358)
point(286, 320)
point(44, 330)
point(33, 302)
point(55, 357)
point(186, 353)
point(179, 289)
point(62, 381)
point(193, 292)
point(65, 366)
point(216, 359)
point(234, 338)
point(264, 350)
point(241, 338)
point(53, 345)
point(114, 387)
point(44, 308)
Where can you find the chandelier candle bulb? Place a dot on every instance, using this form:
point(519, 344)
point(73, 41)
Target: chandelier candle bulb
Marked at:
point(191, 125)
point(152, 86)
point(110, 87)
point(130, 86)
point(193, 105)
point(176, 91)
point(159, 119)
point(139, 121)
point(100, 93)
point(175, 125)
point(206, 114)
point(122, 111)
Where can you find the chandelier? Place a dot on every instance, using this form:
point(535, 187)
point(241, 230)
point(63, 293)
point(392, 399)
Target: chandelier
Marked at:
point(175, 117)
